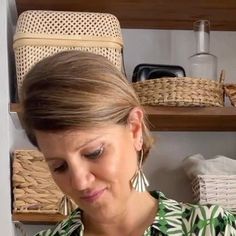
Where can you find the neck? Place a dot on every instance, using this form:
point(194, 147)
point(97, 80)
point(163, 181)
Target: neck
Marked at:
point(135, 217)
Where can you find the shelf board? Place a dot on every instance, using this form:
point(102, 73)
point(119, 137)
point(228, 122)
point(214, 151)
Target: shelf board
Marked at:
point(181, 118)
point(192, 118)
point(37, 218)
point(156, 14)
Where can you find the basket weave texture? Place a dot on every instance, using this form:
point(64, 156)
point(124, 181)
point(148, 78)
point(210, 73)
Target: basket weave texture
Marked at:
point(180, 91)
point(215, 189)
point(230, 91)
point(40, 34)
point(33, 186)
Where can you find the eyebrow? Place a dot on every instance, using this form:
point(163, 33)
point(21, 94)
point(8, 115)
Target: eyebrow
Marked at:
point(77, 148)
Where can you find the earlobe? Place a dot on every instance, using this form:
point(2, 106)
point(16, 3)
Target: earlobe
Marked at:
point(135, 122)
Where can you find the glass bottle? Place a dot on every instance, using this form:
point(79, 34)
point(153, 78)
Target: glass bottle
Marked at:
point(202, 64)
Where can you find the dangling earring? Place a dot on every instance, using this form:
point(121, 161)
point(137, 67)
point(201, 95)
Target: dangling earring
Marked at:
point(65, 206)
point(139, 181)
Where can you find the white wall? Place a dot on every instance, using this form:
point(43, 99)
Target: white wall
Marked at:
point(163, 168)
point(5, 200)
point(174, 47)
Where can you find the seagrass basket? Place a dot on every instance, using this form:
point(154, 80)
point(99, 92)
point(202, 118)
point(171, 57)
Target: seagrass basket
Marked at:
point(40, 34)
point(180, 91)
point(230, 92)
point(215, 189)
point(32, 184)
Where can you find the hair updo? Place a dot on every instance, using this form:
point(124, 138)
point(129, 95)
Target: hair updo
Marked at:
point(75, 89)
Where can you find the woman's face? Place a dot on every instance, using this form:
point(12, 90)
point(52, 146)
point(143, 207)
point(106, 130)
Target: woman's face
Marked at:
point(94, 167)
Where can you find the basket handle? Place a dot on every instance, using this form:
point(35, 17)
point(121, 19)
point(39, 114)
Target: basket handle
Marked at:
point(222, 76)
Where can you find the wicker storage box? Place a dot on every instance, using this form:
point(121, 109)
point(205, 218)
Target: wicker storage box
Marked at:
point(182, 91)
point(42, 33)
point(215, 189)
point(33, 186)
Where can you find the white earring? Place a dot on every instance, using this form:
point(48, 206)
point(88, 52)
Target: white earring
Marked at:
point(65, 206)
point(139, 181)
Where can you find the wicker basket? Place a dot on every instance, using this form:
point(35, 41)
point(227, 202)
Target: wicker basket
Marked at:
point(215, 189)
point(33, 186)
point(180, 91)
point(230, 91)
point(42, 33)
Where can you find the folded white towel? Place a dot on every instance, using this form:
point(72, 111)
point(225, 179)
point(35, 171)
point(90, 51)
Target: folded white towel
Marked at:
point(219, 165)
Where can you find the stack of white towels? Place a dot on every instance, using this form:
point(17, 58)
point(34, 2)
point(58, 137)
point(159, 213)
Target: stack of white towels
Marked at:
point(219, 165)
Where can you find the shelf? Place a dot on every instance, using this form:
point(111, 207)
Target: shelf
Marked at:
point(192, 119)
point(37, 218)
point(180, 118)
point(156, 14)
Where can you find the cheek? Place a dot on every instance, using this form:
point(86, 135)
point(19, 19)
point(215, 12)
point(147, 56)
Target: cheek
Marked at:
point(62, 181)
point(120, 164)
point(109, 168)
point(128, 164)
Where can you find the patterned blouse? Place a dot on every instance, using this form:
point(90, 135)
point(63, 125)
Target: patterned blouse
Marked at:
point(172, 218)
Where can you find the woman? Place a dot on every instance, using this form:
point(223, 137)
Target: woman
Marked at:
point(83, 115)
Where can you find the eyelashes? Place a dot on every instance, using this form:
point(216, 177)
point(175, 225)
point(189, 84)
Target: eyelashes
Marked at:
point(61, 168)
point(94, 155)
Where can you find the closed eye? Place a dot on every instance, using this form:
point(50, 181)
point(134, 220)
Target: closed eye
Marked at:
point(60, 168)
point(95, 154)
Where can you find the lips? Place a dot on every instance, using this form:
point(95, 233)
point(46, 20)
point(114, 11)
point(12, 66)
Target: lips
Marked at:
point(92, 196)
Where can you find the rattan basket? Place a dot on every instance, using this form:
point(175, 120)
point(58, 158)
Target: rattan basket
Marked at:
point(42, 33)
point(215, 189)
point(230, 91)
point(181, 91)
point(33, 186)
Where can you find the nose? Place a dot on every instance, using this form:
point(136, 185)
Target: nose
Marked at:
point(81, 176)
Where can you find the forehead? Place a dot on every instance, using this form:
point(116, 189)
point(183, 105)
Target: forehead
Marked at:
point(60, 144)
point(67, 137)
point(71, 139)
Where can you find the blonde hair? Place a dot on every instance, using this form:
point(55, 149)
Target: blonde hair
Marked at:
point(75, 89)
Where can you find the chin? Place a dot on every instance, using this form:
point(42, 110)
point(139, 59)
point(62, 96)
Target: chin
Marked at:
point(104, 213)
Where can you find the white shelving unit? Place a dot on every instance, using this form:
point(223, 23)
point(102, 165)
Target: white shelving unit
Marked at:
point(181, 143)
point(5, 183)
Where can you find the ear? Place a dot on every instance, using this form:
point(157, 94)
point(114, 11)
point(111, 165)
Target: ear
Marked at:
point(135, 121)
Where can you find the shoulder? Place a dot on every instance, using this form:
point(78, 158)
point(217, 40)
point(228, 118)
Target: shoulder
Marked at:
point(208, 219)
point(195, 219)
point(71, 225)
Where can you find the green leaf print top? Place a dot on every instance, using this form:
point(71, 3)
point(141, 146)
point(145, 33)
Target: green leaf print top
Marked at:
point(172, 218)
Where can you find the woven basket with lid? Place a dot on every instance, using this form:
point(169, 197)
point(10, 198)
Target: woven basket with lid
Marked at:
point(42, 33)
point(33, 187)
